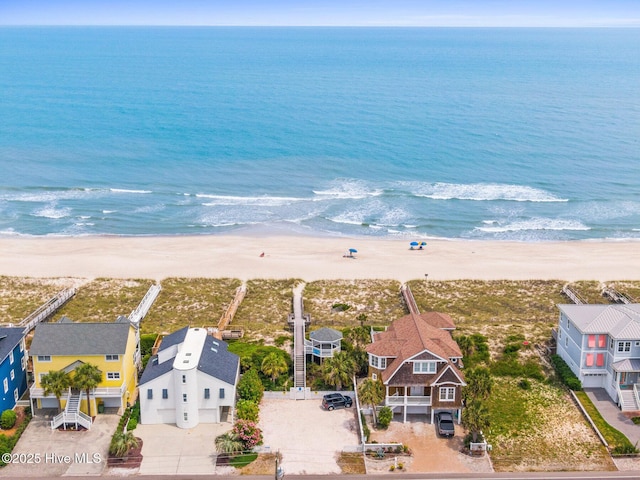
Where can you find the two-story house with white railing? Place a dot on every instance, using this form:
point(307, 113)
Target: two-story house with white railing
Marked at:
point(601, 345)
point(419, 364)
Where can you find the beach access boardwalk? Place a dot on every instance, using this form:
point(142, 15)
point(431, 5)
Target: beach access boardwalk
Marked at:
point(299, 361)
point(46, 310)
point(409, 300)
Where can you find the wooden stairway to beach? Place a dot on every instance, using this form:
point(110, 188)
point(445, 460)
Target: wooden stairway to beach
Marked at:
point(299, 361)
point(46, 310)
point(407, 295)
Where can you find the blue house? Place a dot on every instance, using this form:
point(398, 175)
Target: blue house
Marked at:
point(13, 366)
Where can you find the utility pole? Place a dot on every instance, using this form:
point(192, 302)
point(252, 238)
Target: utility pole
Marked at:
point(279, 471)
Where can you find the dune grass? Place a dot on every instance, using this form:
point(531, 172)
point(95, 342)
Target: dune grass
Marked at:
point(379, 300)
point(196, 302)
point(264, 311)
point(104, 299)
point(20, 296)
point(534, 430)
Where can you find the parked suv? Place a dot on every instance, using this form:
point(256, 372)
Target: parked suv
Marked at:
point(444, 424)
point(336, 400)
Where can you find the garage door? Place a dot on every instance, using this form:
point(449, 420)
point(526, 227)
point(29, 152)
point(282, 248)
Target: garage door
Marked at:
point(167, 415)
point(209, 415)
point(112, 402)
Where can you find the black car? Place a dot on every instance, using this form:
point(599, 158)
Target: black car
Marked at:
point(444, 424)
point(336, 400)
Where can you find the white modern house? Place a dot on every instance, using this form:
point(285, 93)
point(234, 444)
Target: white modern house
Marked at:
point(191, 380)
point(601, 345)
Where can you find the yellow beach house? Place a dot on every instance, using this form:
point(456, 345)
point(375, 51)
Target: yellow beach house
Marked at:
point(65, 346)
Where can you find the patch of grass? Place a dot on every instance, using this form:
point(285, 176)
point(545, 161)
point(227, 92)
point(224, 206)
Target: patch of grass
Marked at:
point(195, 302)
point(264, 464)
point(524, 430)
point(240, 461)
point(20, 296)
point(265, 309)
point(590, 291)
point(615, 438)
point(104, 299)
point(379, 300)
point(351, 463)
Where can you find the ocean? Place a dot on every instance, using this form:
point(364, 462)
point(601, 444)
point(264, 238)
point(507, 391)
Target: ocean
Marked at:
point(493, 134)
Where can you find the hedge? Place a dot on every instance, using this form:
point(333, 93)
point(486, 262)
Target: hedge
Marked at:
point(565, 374)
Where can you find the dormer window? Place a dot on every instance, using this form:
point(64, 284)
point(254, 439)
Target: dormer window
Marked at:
point(424, 367)
point(377, 362)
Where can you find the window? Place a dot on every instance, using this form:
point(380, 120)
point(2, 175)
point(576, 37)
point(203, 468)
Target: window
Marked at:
point(222, 393)
point(566, 342)
point(207, 393)
point(374, 377)
point(112, 358)
point(185, 416)
point(378, 362)
point(113, 375)
point(11, 359)
point(15, 395)
point(600, 360)
point(447, 394)
point(624, 346)
point(44, 358)
point(184, 397)
point(602, 341)
point(184, 379)
point(149, 394)
point(12, 375)
point(165, 393)
point(611, 343)
point(589, 360)
point(22, 346)
point(424, 367)
point(6, 385)
point(591, 343)
point(24, 363)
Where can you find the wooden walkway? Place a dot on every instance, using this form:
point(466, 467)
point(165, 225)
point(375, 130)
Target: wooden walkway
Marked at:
point(136, 315)
point(227, 316)
point(616, 296)
point(46, 310)
point(407, 295)
point(299, 360)
point(573, 296)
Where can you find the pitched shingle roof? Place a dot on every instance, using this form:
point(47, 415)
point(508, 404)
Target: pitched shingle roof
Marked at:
point(215, 360)
point(9, 338)
point(409, 336)
point(325, 334)
point(619, 321)
point(70, 338)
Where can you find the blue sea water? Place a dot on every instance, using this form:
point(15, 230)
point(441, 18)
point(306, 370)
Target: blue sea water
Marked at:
point(509, 134)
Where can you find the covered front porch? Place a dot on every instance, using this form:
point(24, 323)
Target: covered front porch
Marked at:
point(626, 375)
point(409, 400)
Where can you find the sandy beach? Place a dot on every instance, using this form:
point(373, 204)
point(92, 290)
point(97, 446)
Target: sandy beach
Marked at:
point(313, 258)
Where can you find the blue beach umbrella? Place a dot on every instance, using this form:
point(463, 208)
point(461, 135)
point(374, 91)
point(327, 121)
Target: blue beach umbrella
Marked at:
point(414, 244)
point(422, 244)
point(353, 250)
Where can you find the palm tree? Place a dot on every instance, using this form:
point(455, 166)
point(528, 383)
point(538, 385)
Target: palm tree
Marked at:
point(371, 392)
point(475, 418)
point(479, 383)
point(338, 370)
point(121, 443)
point(228, 443)
point(56, 382)
point(87, 377)
point(274, 365)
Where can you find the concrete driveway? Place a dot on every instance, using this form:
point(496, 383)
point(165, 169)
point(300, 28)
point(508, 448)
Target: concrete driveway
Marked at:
point(41, 450)
point(169, 450)
point(308, 437)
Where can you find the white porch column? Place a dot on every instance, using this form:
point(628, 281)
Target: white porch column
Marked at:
point(405, 405)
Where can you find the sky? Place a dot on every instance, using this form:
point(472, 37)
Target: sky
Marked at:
point(437, 13)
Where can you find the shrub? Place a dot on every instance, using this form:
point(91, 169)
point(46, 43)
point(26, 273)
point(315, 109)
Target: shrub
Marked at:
point(384, 417)
point(365, 427)
point(512, 348)
point(247, 410)
point(132, 424)
point(392, 468)
point(626, 449)
point(636, 420)
point(248, 433)
point(400, 466)
point(565, 374)
point(8, 419)
point(340, 307)
point(524, 384)
point(250, 386)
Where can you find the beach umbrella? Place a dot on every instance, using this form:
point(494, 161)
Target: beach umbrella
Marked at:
point(423, 243)
point(353, 250)
point(414, 244)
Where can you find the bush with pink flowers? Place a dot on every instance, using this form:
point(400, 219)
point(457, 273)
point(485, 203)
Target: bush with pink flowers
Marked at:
point(248, 433)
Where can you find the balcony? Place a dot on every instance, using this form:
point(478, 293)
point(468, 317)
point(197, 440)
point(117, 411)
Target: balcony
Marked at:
point(411, 400)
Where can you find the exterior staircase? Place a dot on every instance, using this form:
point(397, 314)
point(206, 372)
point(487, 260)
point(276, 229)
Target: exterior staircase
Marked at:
point(72, 414)
point(627, 400)
point(299, 373)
